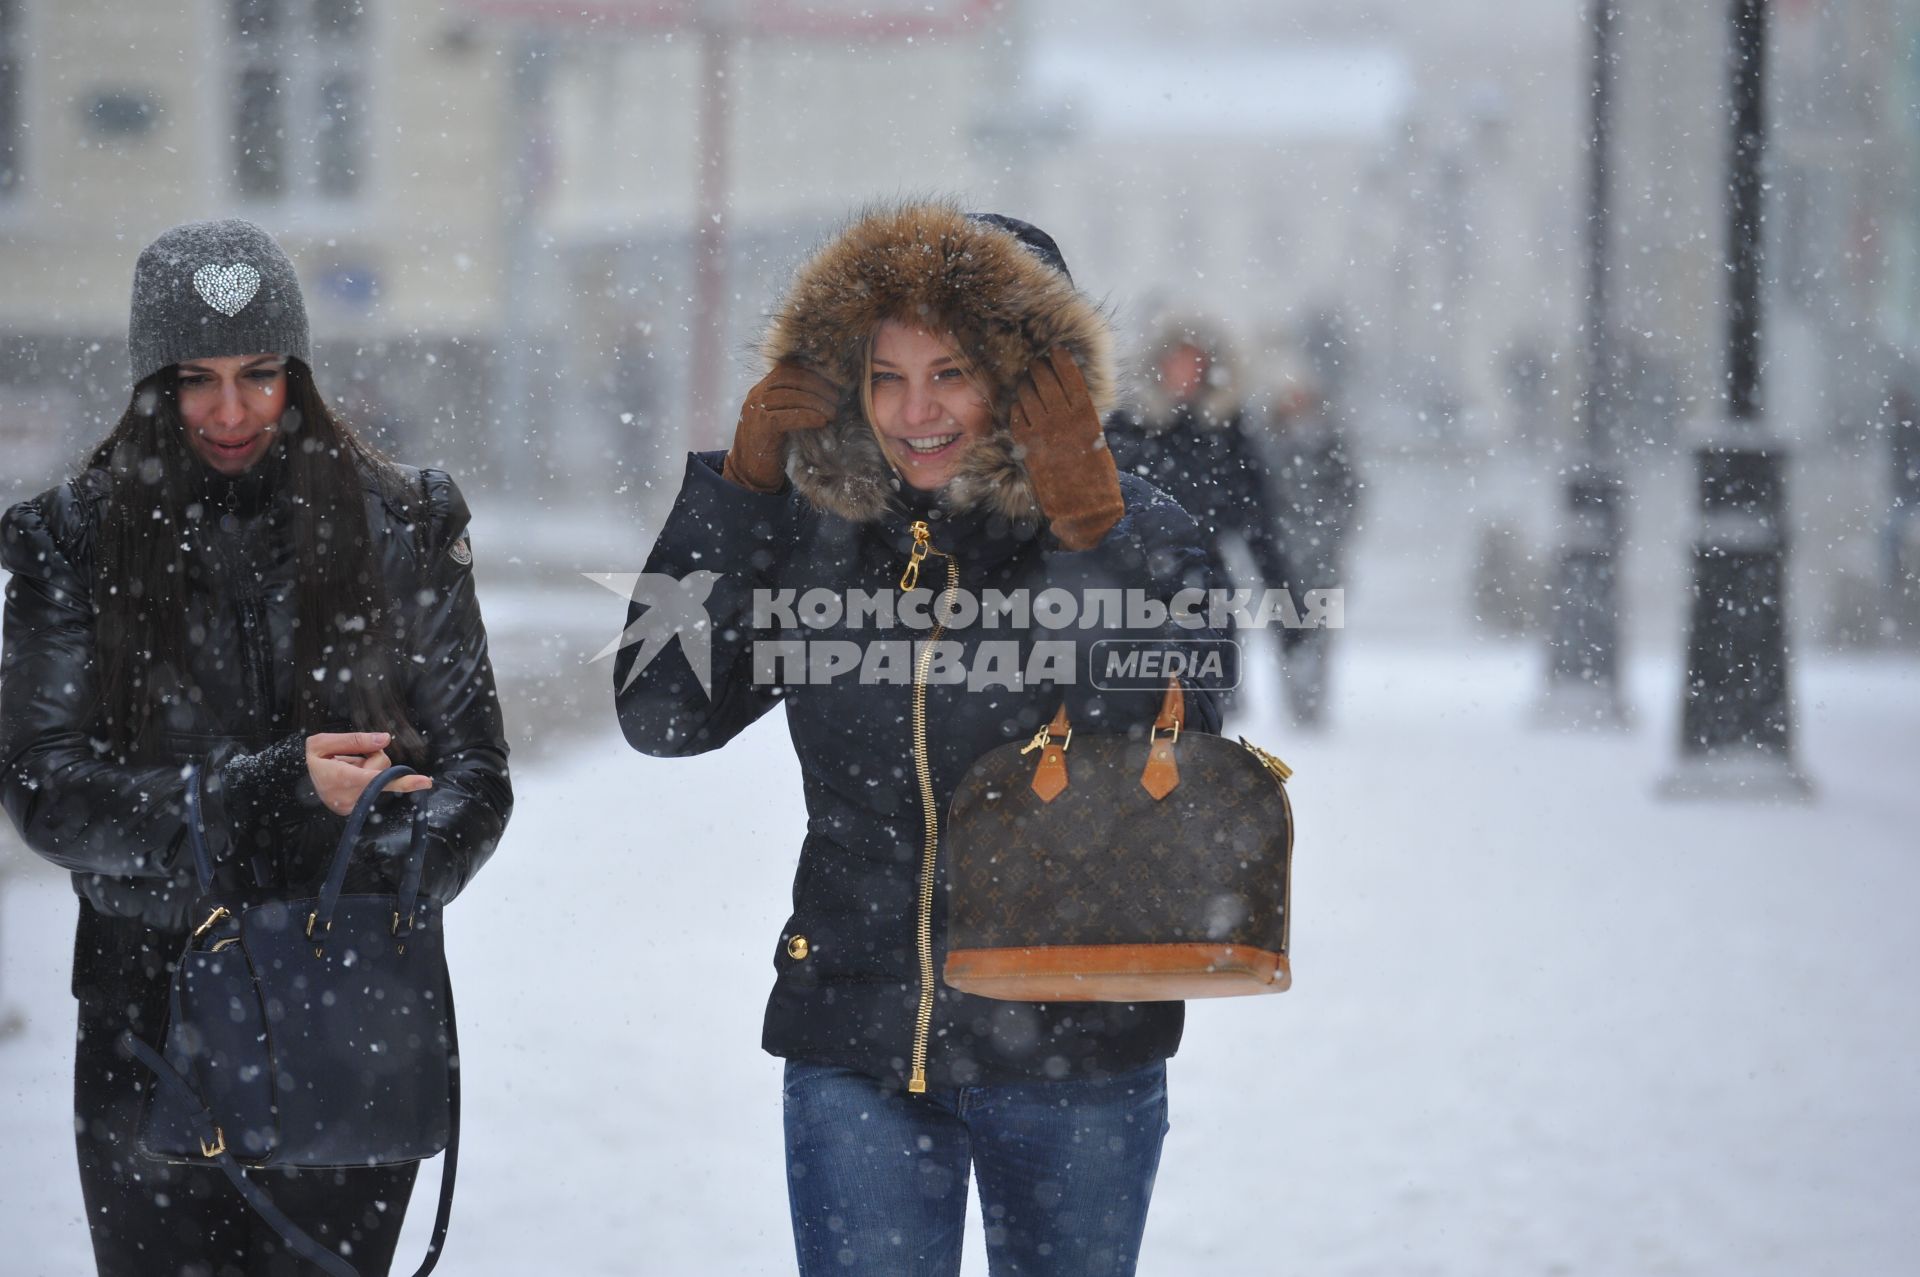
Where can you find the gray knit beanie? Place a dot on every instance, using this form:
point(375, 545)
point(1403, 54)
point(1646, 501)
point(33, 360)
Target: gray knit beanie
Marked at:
point(208, 289)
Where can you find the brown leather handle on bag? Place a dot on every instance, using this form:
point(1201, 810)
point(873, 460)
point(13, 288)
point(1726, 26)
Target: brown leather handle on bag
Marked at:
point(1160, 776)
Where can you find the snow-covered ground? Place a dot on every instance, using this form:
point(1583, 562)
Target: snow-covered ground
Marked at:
point(1542, 1022)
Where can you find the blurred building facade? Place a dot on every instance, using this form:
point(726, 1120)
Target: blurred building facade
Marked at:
point(1379, 170)
point(661, 127)
point(482, 198)
point(1849, 196)
point(362, 134)
point(1843, 218)
point(499, 202)
point(499, 205)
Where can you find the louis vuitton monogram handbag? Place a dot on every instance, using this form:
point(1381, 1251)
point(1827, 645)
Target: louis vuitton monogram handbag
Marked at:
point(1120, 869)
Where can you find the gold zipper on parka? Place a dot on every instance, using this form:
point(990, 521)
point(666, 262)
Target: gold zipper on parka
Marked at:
point(923, 768)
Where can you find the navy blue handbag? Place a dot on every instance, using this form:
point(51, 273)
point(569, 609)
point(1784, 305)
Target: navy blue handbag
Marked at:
point(311, 1032)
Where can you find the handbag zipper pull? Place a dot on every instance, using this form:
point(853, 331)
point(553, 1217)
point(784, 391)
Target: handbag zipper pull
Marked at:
point(213, 919)
point(1281, 772)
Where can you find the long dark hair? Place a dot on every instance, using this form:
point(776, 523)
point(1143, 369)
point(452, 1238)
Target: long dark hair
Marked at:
point(143, 575)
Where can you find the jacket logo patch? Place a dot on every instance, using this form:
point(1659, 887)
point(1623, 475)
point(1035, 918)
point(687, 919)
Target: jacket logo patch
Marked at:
point(461, 552)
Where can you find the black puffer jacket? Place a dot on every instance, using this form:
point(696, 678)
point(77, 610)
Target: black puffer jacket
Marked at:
point(851, 993)
point(120, 827)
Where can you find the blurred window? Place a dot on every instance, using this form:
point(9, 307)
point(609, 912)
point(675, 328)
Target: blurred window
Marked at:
point(12, 57)
point(259, 135)
point(256, 19)
point(299, 128)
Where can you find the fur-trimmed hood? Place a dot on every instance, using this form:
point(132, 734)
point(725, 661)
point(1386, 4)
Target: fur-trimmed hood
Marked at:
point(1219, 399)
point(929, 264)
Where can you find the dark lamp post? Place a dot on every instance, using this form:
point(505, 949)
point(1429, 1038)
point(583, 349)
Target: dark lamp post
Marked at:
point(1583, 633)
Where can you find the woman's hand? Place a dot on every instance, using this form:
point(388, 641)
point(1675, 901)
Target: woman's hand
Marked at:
point(1054, 423)
point(343, 763)
point(787, 399)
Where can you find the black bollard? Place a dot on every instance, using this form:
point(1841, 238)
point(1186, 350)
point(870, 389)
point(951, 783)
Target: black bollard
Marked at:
point(1583, 666)
point(1736, 737)
point(1736, 729)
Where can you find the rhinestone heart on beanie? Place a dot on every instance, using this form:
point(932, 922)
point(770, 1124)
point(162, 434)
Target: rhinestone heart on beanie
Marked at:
point(227, 289)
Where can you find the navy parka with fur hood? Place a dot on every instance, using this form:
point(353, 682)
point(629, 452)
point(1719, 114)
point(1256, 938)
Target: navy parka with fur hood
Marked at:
point(849, 968)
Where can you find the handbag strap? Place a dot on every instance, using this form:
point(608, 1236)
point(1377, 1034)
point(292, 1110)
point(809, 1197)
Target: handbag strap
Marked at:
point(1173, 708)
point(1159, 777)
point(414, 872)
point(410, 877)
point(213, 1144)
point(1050, 775)
point(343, 855)
point(197, 830)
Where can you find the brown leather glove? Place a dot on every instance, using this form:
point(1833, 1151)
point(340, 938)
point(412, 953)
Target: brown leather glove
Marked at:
point(788, 398)
point(1055, 424)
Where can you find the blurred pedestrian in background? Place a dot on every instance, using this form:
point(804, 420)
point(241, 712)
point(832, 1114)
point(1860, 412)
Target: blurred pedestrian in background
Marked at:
point(1314, 493)
point(1900, 546)
point(1186, 433)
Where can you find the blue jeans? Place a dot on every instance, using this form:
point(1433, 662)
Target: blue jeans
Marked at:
point(877, 1178)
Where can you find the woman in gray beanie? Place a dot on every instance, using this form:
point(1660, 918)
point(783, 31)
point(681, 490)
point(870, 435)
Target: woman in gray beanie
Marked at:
point(235, 587)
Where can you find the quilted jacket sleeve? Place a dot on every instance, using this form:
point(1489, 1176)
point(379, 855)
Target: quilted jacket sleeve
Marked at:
point(694, 603)
point(452, 702)
point(70, 799)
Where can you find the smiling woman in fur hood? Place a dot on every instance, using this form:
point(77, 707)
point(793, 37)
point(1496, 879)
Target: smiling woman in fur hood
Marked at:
point(933, 403)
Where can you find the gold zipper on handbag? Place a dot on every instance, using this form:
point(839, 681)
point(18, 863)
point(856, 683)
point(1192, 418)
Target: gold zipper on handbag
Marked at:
point(1281, 775)
point(923, 768)
point(1281, 772)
